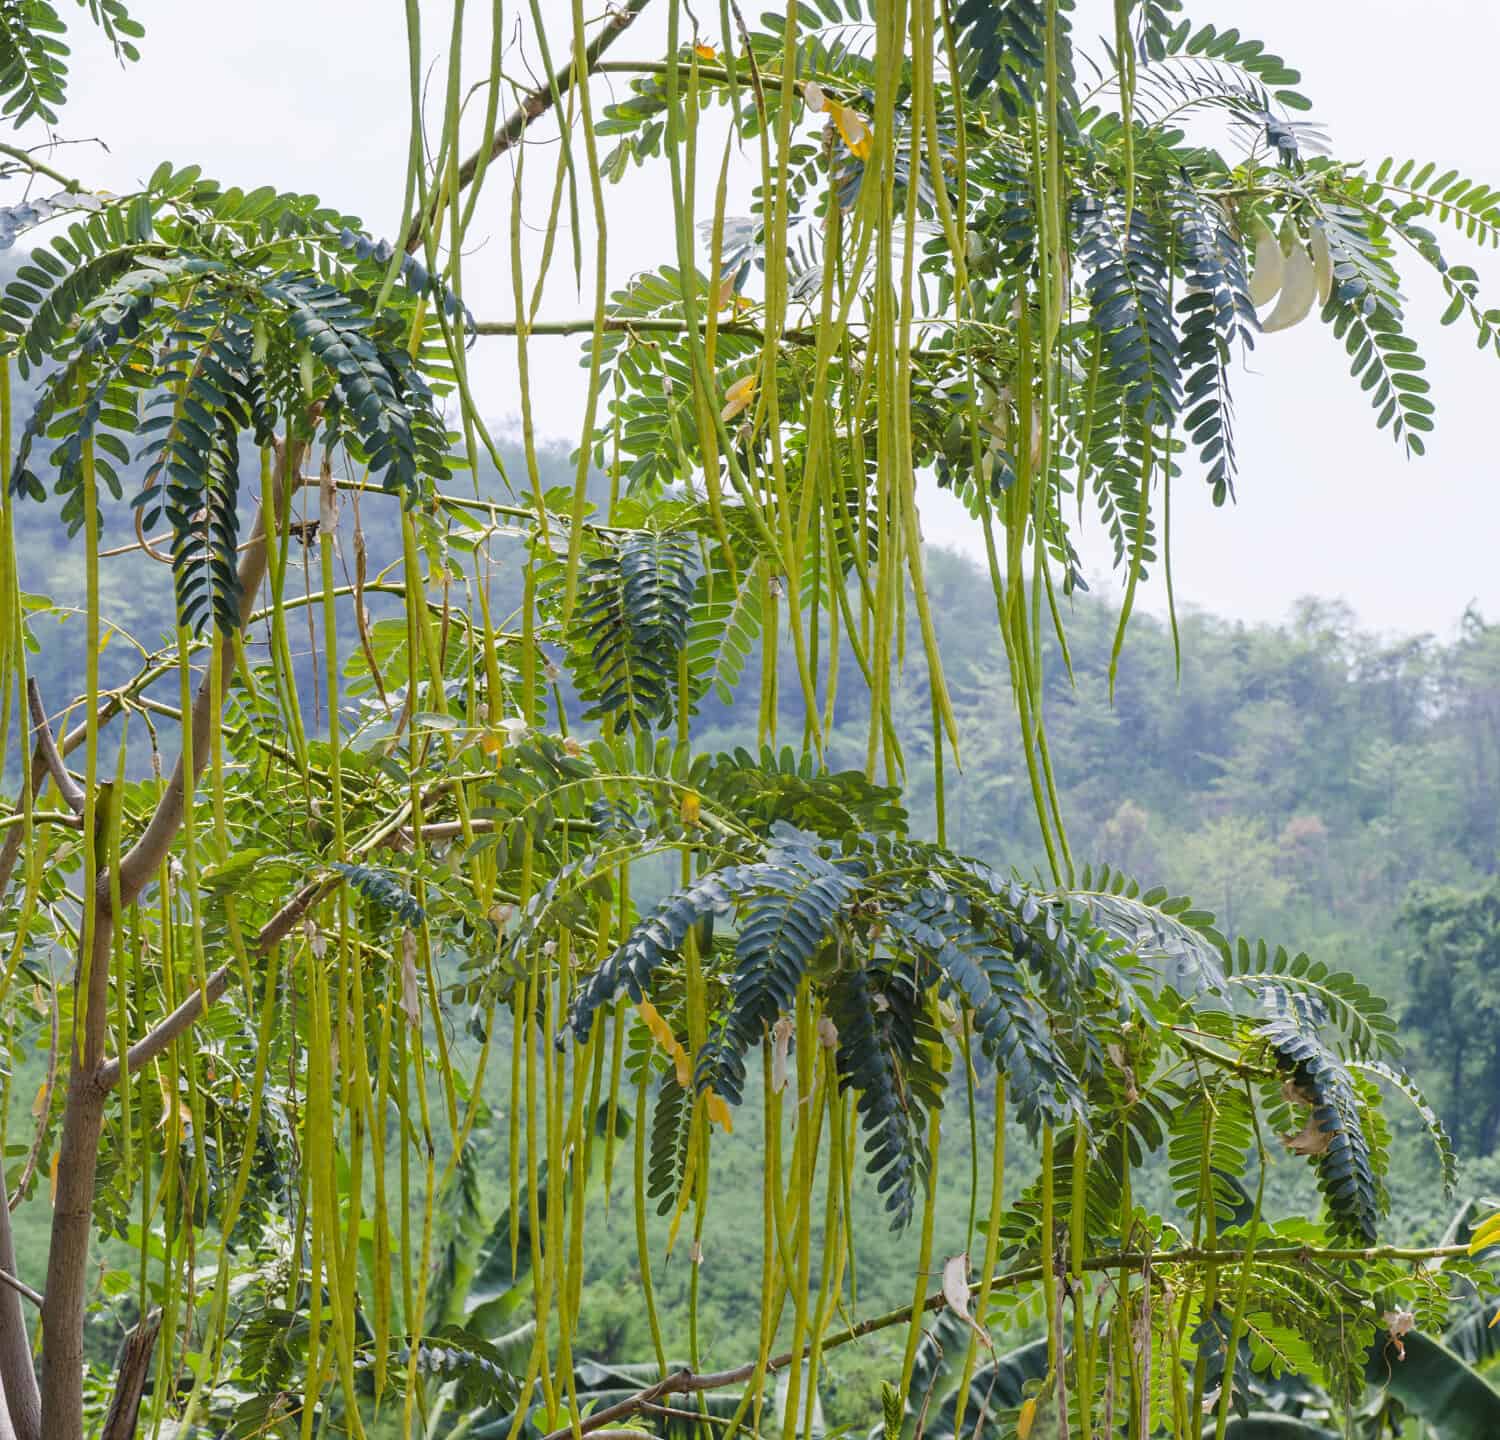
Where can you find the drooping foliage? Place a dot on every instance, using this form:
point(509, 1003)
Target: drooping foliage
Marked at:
point(430, 926)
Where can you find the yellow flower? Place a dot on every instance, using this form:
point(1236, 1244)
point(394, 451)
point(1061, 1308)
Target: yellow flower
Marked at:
point(691, 804)
point(854, 128)
point(738, 397)
point(705, 52)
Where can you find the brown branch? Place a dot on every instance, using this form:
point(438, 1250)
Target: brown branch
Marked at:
point(130, 1381)
point(631, 325)
point(10, 852)
point(533, 106)
point(36, 777)
point(19, 1394)
point(169, 1027)
point(67, 787)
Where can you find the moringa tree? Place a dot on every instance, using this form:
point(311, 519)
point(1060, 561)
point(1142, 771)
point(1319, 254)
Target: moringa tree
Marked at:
point(974, 250)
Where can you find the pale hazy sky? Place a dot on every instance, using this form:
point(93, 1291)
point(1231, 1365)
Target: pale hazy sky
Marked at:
point(310, 95)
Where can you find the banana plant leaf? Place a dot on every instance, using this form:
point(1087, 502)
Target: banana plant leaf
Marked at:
point(1264, 1426)
point(1437, 1386)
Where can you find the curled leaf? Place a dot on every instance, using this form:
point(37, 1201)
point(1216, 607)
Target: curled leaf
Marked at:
point(781, 1043)
point(411, 998)
point(1311, 1139)
point(956, 1294)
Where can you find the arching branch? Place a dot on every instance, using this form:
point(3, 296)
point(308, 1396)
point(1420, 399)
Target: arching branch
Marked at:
point(533, 106)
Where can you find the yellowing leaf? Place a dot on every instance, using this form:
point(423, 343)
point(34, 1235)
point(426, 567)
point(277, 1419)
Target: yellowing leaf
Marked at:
point(52, 1173)
point(492, 743)
point(719, 1112)
point(661, 1032)
point(854, 128)
point(1026, 1419)
point(184, 1112)
point(726, 295)
point(738, 397)
point(1485, 1234)
point(692, 804)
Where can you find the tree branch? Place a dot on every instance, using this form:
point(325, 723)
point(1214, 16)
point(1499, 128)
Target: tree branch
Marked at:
point(130, 1381)
point(169, 1027)
point(67, 787)
point(630, 324)
point(18, 1387)
point(10, 852)
point(533, 106)
point(36, 777)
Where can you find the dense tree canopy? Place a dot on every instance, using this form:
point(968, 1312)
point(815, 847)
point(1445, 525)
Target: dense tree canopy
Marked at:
point(402, 850)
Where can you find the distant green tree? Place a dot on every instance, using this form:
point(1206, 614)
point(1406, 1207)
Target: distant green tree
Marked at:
point(1456, 1003)
point(1233, 859)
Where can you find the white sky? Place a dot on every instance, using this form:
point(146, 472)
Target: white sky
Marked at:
point(310, 95)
